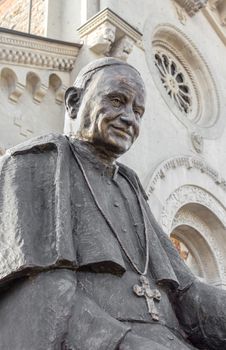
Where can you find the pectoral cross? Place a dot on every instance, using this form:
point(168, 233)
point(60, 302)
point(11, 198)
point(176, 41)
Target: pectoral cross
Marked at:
point(150, 295)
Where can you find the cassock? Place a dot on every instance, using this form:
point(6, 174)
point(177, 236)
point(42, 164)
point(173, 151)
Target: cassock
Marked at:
point(75, 236)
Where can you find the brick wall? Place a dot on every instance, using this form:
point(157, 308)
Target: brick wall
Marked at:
point(14, 14)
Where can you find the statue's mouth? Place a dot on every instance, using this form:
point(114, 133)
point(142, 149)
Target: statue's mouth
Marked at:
point(122, 131)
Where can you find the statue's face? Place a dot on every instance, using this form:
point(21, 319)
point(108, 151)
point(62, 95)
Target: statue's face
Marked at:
point(112, 108)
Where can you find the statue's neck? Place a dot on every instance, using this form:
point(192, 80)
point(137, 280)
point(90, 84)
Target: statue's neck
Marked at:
point(96, 154)
point(102, 155)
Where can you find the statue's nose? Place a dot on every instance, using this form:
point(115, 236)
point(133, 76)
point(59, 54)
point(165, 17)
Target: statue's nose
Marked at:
point(128, 116)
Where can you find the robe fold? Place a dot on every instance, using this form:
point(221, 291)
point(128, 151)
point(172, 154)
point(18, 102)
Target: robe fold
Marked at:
point(36, 230)
point(60, 258)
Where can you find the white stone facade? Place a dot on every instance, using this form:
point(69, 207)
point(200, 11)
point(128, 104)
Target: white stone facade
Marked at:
point(179, 47)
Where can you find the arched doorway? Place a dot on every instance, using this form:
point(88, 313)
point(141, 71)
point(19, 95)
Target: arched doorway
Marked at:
point(197, 233)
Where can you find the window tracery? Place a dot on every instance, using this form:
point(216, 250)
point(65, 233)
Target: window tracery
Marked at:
point(174, 81)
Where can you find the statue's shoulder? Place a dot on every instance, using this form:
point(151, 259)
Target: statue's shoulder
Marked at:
point(40, 144)
point(50, 143)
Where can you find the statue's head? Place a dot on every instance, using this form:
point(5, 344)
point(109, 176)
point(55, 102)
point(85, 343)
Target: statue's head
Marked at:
point(108, 98)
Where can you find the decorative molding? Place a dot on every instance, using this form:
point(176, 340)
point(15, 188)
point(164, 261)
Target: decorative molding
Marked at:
point(190, 194)
point(107, 30)
point(181, 13)
point(197, 142)
point(188, 162)
point(34, 85)
point(18, 49)
point(192, 6)
point(215, 13)
point(107, 15)
point(185, 217)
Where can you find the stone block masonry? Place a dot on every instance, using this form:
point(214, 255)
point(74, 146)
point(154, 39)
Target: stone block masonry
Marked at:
point(14, 14)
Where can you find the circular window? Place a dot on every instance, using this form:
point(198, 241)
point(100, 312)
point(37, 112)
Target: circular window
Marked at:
point(183, 79)
point(176, 81)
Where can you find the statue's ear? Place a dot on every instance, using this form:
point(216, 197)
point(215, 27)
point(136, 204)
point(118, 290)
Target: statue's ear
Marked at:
point(72, 101)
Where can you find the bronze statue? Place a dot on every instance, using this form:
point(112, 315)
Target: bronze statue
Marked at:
point(83, 263)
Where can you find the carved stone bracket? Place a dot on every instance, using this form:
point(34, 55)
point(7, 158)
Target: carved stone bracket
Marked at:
point(192, 6)
point(16, 91)
point(101, 40)
point(40, 93)
point(107, 34)
point(24, 49)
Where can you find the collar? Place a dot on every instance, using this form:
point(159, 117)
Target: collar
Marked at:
point(87, 153)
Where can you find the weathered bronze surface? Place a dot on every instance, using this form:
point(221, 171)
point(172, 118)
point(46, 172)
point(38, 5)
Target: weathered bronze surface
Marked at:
point(150, 295)
point(79, 245)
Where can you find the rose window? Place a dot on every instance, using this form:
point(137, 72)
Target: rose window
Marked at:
point(183, 78)
point(174, 81)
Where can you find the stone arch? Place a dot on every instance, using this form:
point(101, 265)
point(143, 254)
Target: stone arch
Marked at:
point(57, 86)
point(15, 88)
point(187, 197)
point(192, 229)
point(9, 76)
point(35, 86)
point(32, 82)
point(197, 219)
point(55, 81)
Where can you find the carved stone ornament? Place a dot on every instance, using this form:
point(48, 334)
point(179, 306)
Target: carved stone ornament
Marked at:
point(192, 6)
point(106, 31)
point(122, 48)
point(19, 49)
point(16, 91)
point(174, 79)
point(30, 63)
point(101, 40)
point(215, 13)
point(190, 194)
point(186, 218)
point(197, 142)
point(187, 162)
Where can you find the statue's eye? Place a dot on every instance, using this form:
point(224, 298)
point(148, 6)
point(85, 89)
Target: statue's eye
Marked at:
point(137, 112)
point(116, 102)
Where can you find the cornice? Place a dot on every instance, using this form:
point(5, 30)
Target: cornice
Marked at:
point(108, 34)
point(108, 15)
point(16, 48)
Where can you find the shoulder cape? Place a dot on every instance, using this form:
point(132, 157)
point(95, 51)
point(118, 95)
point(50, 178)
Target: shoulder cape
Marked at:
point(36, 231)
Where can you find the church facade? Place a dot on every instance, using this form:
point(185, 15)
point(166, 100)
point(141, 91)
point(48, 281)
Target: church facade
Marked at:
point(179, 47)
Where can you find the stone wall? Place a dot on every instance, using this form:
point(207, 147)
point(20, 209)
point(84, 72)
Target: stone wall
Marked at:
point(14, 14)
